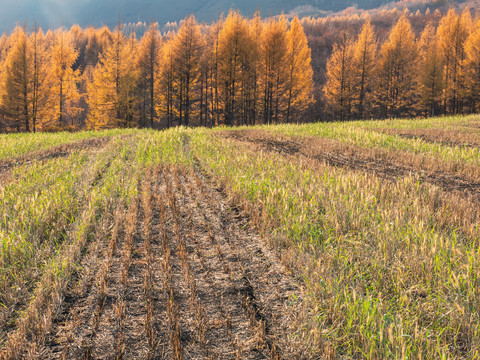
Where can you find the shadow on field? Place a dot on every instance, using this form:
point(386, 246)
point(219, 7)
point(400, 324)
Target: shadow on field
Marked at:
point(451, 137)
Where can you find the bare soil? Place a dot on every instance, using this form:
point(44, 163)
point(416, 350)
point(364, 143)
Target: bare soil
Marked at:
point(184, 277)
point(347, 156)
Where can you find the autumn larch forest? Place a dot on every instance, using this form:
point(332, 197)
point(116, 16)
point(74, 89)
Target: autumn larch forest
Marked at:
point(240, 71)
point(237, 71)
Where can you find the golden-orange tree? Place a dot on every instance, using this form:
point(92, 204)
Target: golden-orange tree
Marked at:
point(364, 56)
point(471, 67)
point(186, 56)
point(396, 71)
point(148, 67)
point(204, 82)
point(340, 77)
point(453, 31)
point(210, 107)
point(111, 91)
point(25, 71)
point(429, 72)
point(17, 81)
point(165, 81)
point(256, 30)
point(63, 80)
point(40, 78)
point(236, 55)
point(274, 65)
point(299, 89)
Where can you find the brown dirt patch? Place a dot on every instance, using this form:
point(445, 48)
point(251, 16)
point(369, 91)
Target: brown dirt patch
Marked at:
point(385, 164)
point(229, 293)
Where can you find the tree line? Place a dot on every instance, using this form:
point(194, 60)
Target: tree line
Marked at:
point(436, 73)
point(237, 71)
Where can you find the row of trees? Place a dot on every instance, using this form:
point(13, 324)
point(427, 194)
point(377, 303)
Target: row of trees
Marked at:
point(37, 84)
point(236, 71)
point(438, 73)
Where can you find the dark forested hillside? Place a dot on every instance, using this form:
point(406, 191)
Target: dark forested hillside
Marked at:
point(51, 13)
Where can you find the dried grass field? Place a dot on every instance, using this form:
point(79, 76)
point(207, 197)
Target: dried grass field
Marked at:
point(319, 241)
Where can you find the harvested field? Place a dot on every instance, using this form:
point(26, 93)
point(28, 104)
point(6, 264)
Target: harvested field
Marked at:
point(334, 241)
point(60, 151)
point(380, 163)
point(55, 152)
point(179, 275)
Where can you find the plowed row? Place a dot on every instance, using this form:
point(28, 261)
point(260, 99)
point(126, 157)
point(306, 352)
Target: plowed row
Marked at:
point(179, 275)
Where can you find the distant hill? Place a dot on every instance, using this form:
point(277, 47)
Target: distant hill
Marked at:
point(52, 13)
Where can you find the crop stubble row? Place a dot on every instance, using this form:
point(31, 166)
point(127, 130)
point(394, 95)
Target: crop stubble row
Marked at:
point(178, 282)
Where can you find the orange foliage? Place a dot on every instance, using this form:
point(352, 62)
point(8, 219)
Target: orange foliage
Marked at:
point(241, 71)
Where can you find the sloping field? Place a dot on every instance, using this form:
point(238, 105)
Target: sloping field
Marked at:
point(354, 240)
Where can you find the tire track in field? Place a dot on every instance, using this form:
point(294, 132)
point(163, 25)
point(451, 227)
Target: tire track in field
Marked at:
point(343, 156)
